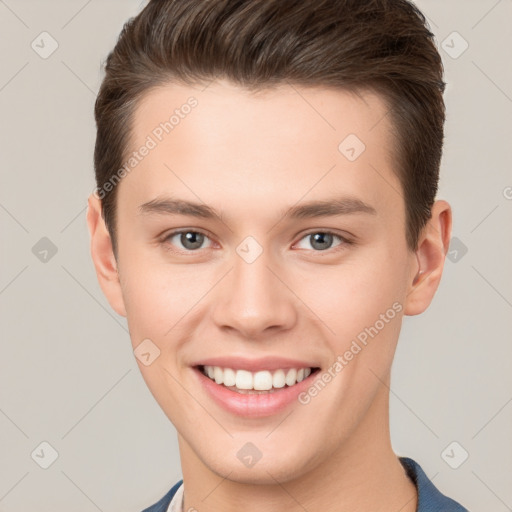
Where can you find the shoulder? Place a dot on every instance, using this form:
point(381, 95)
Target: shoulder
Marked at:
point(163, 504)
point(430, 499)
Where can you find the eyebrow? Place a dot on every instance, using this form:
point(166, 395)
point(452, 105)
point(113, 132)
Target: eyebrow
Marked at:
point(310, 209)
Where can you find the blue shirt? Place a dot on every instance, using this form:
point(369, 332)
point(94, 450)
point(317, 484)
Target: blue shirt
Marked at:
point(429, 498)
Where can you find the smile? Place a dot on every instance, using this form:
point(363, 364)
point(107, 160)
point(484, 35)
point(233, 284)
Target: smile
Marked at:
point(264, 381)
point(254, 389)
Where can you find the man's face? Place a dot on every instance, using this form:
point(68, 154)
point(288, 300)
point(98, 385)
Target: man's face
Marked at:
point(269, 286)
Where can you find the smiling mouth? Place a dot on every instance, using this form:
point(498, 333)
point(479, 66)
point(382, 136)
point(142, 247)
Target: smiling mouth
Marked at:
point(259, 382)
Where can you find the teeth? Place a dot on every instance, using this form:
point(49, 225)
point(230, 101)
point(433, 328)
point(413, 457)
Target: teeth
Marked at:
point(229, 377)
point(291, 377)
point(262, 381)
point(259, 381)
point(278, 379)
point(218, 375)
point(243, 379)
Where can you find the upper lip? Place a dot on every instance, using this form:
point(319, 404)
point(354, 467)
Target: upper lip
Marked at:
point(269, 363)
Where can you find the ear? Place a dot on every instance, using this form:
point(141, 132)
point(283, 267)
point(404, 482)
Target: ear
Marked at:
point(103, 256)
point(432, 248)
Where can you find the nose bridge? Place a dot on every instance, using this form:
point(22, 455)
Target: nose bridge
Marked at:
point(253, 299)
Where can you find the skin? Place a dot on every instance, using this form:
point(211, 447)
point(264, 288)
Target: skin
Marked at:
point(251, 156)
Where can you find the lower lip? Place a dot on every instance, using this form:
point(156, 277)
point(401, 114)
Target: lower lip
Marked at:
point(253, 405)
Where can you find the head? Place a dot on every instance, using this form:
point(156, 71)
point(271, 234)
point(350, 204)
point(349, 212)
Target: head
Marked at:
point(270, 115)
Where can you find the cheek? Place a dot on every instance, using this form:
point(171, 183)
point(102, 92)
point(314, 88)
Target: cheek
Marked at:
point(358, 292)
point(364, 309)
point(162, 299)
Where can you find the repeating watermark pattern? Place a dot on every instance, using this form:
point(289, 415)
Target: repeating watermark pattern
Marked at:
point(146, 352)
point(357, 345)
point(44, 45)
point(454, 45)
point(457, 250)
point(454, 455)
point(487, 82)
point(352, 147)
point(249, 454)
point(44, 250)
point(249, 249)
point(44, 455)
point(152, 140)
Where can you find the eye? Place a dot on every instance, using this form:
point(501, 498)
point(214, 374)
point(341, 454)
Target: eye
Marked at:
point(190, 240)
point(322, 240)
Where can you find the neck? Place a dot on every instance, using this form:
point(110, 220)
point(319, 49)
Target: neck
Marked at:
point(363, 474)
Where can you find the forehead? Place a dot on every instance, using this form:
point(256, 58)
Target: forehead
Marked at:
point(287, 113)
point(232, 144)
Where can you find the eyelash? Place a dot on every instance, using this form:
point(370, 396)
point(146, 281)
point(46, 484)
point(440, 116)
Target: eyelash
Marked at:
point(344, 240)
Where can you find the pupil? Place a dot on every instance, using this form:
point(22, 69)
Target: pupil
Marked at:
point(321, 238)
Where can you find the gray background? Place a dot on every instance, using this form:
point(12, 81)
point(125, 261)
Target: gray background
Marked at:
point(67, 372)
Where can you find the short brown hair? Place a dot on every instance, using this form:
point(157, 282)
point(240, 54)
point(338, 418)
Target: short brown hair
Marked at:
point(384, 46)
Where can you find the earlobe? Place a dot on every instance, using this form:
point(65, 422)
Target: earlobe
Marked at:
point(432, 248)
point(103, 256)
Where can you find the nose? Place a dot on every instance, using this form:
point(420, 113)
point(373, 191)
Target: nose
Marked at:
point(254, 300)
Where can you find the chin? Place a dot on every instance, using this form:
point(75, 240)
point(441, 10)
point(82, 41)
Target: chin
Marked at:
point(266, 471)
